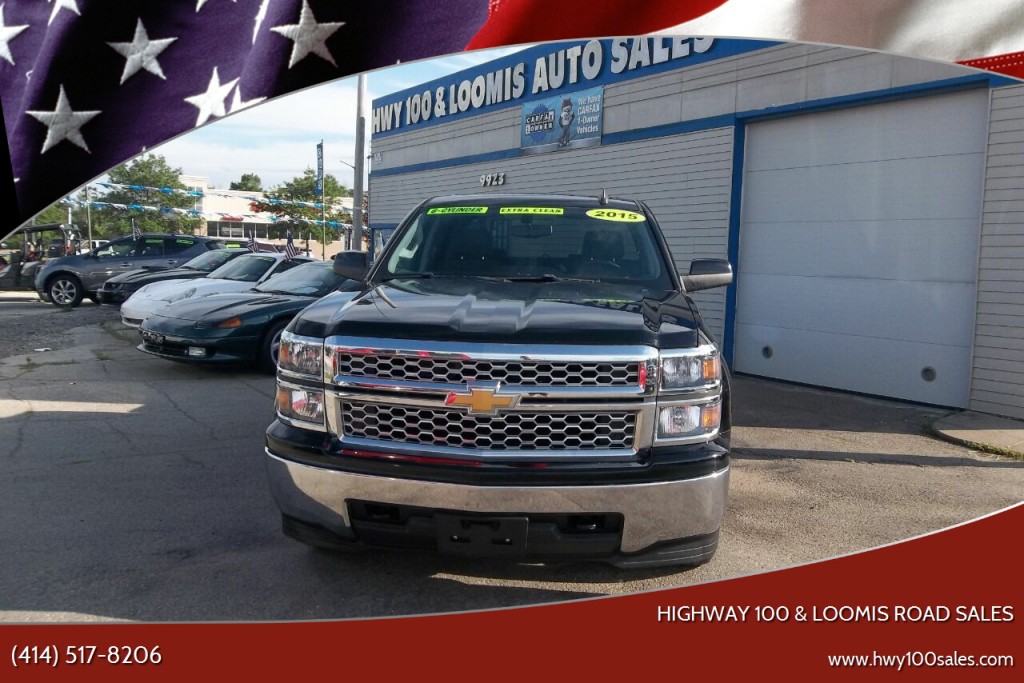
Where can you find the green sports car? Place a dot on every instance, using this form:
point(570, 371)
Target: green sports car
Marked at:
point(241, 328)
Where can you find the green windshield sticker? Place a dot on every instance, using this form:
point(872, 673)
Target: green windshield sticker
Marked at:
point(154, 241)
point(184, 241)
point(549, 210)
point(456, 209)
point(616, 215)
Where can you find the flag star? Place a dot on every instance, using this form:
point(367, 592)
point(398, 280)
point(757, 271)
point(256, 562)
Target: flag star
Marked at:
point(63, 4)
point(141, 53)
point(309, 36)
point(211, 102)
point(63, 124)
point(200, 3)
point(237, 104)
point(260, 16)
point(7, 34)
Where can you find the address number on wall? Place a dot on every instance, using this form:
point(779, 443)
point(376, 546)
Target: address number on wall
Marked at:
point(492, 179)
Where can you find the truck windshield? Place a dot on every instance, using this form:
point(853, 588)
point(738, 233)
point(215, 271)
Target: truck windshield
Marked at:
point(524, 243)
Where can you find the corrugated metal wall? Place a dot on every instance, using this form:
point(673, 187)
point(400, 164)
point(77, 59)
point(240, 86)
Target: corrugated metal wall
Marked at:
point(997, 383)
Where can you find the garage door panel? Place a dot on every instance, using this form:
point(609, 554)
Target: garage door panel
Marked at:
point(860, 134)
point(938, 187)
point(858, 247)
point(885, 367)
point(882, 309)
point(905, 250)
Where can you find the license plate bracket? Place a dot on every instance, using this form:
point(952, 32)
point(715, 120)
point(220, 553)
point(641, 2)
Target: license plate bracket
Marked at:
point(493, 536)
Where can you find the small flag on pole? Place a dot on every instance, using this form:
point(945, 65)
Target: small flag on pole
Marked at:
point(290, 250)
point(252, 241)
point(136, 233)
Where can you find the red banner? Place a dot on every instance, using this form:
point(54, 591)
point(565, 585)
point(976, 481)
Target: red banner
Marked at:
point(948, 605)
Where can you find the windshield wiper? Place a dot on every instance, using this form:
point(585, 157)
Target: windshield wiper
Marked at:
point(272, 291)
point(408, 276)
point(547, 277)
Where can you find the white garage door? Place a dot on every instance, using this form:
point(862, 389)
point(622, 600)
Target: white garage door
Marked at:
point(859, 247)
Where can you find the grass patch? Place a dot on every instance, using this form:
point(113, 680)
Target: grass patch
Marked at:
point(974, 445)
point(100, 355)
point(118, 331)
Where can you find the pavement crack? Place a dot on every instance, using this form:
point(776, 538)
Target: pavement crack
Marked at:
point(211, 432)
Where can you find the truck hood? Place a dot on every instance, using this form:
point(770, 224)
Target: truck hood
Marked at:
point(474, 310)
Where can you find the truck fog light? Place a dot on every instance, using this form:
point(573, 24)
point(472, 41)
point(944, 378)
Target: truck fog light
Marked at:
point(197, 351)
point(675, 422)
point(301, 404)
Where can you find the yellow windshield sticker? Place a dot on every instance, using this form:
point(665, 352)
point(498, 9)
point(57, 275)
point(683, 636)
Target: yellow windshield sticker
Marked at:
point(616, 215)
point(457, 209)
point(547, 210)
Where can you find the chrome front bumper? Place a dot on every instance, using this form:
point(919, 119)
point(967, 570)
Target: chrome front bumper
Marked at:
point(653, 512)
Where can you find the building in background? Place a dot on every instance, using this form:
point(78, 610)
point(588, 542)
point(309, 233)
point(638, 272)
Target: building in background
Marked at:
point(228, 213)
point(870, 204)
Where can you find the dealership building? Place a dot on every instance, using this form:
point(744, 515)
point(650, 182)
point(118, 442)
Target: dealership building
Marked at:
point(872, 206)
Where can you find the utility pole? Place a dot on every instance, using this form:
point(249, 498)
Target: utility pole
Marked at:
point(88, 215)
point(360, 159)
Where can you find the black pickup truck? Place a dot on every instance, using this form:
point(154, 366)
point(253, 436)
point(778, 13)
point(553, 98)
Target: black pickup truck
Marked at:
point(521, 376)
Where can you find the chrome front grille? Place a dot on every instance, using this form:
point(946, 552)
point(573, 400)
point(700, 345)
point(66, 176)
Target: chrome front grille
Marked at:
point(491, 402)
point(511, 431)
point(446, 370)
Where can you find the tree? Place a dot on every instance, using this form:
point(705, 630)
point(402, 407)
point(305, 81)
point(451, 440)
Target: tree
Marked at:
point(249, 182)
point(303, 189)
point(149, 171)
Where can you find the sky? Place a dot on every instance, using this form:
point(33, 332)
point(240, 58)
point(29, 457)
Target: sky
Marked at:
point(277, 139)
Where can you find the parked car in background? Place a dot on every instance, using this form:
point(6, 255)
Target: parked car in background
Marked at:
point(237, 275)
point(244, 327)
point(118, 288)
point(67, 280)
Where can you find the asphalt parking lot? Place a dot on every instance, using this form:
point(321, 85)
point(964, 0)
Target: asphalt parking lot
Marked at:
point(133, 489)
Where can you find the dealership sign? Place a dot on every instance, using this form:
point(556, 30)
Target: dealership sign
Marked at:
point(543, 72)
point(563, 122)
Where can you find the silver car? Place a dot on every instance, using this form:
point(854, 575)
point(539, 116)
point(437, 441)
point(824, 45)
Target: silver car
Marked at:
point(67, 280)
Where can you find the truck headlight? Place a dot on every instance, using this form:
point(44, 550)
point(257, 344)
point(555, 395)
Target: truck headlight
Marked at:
point(302, 404)
point(698, 368)
point(689, 421)
point(301, 355)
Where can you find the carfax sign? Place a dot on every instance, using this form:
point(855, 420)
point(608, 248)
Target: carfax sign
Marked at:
point(564, 122)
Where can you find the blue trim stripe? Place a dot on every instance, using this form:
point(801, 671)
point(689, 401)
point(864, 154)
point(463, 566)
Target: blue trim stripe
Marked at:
point(876, 96)
point(733, 248)
point(445, 163)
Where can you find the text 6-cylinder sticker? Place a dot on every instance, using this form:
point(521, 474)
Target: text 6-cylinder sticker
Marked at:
point(457, 209)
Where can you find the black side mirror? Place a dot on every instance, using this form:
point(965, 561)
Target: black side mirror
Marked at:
point(352, 264)
point(707, 273)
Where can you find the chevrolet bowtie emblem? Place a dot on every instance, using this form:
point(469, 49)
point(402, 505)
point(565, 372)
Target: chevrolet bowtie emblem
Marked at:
point(482, 400)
